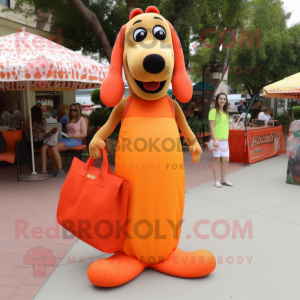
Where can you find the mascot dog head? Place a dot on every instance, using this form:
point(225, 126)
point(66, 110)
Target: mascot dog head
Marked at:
point(150, 51)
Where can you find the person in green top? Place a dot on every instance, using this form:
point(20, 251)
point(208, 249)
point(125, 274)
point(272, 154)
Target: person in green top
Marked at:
point(219, 129)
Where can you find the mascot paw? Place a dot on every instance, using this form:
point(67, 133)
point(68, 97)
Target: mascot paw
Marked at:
point(187, 264)
point(196, 150)
point(115, 270)
point(95, 144)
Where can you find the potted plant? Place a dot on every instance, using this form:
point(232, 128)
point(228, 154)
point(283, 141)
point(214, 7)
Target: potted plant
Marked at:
point(99, 117)
point(205, 124)
point(296, 112)
point(285, 120)
point(196, 126)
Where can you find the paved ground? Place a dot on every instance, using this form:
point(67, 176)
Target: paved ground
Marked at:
point(263, 267)
point(32, 204)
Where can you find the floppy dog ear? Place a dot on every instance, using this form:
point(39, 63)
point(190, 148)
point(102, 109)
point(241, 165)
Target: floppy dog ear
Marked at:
point(181, 83)
point(112, 88)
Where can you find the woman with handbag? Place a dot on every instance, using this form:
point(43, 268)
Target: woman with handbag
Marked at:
point(219, 129)
point(77, 130)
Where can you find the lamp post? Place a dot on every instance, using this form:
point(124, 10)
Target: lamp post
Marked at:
point(217, 72)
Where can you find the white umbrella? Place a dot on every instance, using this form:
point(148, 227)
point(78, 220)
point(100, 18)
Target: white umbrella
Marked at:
point(94, 107)
point(32, 63)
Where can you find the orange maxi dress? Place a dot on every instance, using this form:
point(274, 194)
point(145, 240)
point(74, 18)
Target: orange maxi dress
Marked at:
point(149, 155)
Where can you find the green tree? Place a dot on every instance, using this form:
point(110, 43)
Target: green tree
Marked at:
point(99, 117)
point(219, 21)
point(276, 56)
point(96, 99)
point(95, 24)
point(88, 22)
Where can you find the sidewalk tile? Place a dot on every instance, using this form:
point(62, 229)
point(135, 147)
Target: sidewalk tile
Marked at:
point(3, 256)
point(11, 281)
point(20, 298)
point(7, 266)
point(47, 244)
point(50, 270)
point(6, 291)
point(59, 254)
point(16, 256)
point(4, 224)
point(27, 290)
point(21, 272)
point(35, 280)
point(12, 250)
point(23, 243)
point(61, 248)
point(67, 241)
point(23, 265)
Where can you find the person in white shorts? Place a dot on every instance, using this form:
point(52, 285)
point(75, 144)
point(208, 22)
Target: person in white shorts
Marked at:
point(219, 130)
point(223, 149)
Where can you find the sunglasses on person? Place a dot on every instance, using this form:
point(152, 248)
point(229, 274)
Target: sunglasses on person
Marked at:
point(73, 109)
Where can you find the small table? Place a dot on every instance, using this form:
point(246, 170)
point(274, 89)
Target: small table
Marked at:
point(232, 112)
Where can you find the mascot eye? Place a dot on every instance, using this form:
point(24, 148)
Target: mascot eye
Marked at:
point(139, 34)
point(159, 32)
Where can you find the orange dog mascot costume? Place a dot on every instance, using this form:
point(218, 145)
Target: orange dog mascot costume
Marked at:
point(148, 154)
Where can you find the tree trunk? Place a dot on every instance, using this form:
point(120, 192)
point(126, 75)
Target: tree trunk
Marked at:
point(130, 5)
point(93, 22)
point(208, 96)
point(249, 90)
point(176, 24)
point(253, 90)
point(181, 11)
point(42, 19)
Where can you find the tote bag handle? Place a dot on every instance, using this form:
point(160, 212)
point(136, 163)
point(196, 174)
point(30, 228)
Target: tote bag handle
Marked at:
point(102, 176)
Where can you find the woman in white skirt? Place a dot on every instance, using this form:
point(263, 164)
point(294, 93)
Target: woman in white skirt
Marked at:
point(219, 130)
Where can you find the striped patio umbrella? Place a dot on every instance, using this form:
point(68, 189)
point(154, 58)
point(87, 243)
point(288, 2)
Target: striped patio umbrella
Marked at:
point(29, 62)
point(288, 88)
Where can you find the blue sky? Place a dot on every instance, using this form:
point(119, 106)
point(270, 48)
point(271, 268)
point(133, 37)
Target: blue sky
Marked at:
point(292, 6)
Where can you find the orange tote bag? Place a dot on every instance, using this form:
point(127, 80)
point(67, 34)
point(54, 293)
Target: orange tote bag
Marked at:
point(93, 205)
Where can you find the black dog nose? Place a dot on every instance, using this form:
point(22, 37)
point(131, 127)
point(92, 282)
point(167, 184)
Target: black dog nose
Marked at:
point(154, 63)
